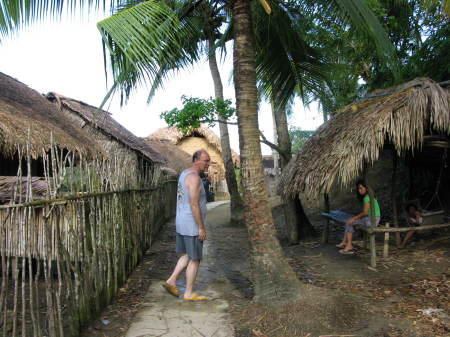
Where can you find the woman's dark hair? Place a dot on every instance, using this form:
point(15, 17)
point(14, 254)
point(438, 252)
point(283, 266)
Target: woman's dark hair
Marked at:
point(408, 206)
point(363, 183)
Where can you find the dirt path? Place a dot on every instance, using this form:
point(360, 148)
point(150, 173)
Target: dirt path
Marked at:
point(410, 280)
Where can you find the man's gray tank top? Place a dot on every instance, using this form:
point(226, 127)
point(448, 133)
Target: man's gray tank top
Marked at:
point(184, 220)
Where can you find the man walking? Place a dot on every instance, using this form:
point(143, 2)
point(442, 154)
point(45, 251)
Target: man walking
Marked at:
point(190, 224)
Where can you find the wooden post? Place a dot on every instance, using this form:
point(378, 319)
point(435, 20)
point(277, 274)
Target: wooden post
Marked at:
point(373, 251)
point(327, 224)
point(393, 196)
point(386, 242)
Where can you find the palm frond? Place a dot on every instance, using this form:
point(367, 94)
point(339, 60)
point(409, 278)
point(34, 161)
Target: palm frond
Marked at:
point(446, 7)
point(364, 21)
point(286, 64)
point(145, 43)
point(17, 14)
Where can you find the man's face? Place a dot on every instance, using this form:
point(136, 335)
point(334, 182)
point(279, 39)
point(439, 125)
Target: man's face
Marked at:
point(203, 162)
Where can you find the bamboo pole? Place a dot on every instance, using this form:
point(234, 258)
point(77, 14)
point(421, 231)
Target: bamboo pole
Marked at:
point(5, 308)
point(386, 242)
point(122, 224)
point(59, 317)
point(15, 272)
point(26, 223)
point(30, 272)
point(407, 229)
point(64, 199)
point(373, 251)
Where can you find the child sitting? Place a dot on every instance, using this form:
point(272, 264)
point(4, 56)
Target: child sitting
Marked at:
point(414, 218)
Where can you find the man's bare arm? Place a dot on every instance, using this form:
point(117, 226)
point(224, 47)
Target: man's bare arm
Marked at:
point(193, 184)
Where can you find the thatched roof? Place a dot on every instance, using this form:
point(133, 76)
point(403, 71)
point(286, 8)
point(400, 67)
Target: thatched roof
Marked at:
point(103, 121)
point(23, 109)
point(9, 184)
point(400, 116)
point(176, 159)
point(175, 136)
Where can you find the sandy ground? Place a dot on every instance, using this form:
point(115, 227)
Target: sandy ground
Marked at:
point(391, 299)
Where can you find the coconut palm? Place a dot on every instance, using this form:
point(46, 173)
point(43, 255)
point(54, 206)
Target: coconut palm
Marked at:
point(287, 66)
point(207, 19)
point(152, 31)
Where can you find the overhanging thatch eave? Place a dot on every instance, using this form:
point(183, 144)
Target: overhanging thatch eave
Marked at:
point(103, 121)
point(355, 135)
point(26, 117)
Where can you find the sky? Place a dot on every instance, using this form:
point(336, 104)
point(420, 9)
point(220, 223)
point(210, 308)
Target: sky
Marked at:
point(66, 57)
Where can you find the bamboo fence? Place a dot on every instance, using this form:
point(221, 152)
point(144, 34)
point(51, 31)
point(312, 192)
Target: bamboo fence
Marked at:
point(64, 258)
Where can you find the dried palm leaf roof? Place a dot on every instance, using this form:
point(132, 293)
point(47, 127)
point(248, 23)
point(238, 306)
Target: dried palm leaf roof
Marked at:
point(176, 159)
point(175, 135)
point(104, 122)
point(9, 184)
point(23, 109)
point(401, 116)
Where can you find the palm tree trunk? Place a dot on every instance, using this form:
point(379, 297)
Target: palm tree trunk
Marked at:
point(275, 154)
point(297, 222)
point(237, 206)
point(273, 278)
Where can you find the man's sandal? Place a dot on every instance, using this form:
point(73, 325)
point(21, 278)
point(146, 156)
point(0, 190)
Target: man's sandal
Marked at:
point(172, 290)
point(347, 252)
point(196, 298)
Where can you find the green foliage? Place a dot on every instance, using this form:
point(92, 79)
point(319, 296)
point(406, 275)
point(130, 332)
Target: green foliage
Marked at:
point(77, 179)
point(198, 110)
point(179, 28)
point(419, 31)
point(17, 14)
point(145, 42)
point(237, 173)
point(298, 137)
point(432, 59)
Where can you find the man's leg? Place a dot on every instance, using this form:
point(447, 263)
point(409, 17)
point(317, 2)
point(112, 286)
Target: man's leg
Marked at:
point(181, 264)
point(191, 275)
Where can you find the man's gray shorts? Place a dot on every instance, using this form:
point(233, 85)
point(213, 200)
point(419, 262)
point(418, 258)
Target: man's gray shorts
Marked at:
point(189, 245)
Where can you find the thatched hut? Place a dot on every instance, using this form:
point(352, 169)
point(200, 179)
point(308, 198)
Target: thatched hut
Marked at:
point(130, 151)
point(26, 117)
point(201, 138)
point(81, 199)
point(177, 160)
point(410, 125)
point(412, 121)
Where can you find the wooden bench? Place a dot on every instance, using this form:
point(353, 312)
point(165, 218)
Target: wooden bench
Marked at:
point(342, 217)
point(337, 216)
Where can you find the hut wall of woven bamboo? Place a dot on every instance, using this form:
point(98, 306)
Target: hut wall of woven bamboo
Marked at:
point(70, 238)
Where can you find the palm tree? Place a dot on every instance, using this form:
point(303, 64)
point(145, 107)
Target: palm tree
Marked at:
point(287, 66)
point(273, 277)
point(152, 31)
point(236, 206)
point(207, 18)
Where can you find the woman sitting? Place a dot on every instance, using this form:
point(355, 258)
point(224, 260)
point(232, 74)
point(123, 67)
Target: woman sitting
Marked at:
point(363, 218)
point(414, 219)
